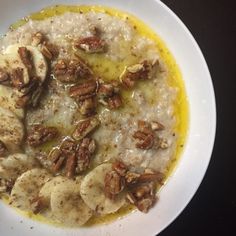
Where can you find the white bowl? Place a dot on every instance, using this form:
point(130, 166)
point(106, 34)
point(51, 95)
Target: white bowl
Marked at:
point(194, 161)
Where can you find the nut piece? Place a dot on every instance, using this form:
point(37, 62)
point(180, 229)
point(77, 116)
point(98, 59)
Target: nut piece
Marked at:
point(37, 39)
point(84, 91)
point(163, 143)
point(114, 101)
point(87, 107)
point(68, 146)
point(143, 196)
point(26, 58)
point(17, 78)
point(49, 50)
point(38, 204)
point(86, 149)
point(146, 140)
point(71, 165)
point(3, 149)
point(40, 134)
point(156, 126)
point(84, 127)
point(142, 71)
point(114, 184)
point(120, 168)
point(70, 71)
point(92, 44)
point(131, 178)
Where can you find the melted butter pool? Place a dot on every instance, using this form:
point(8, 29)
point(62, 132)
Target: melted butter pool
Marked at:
point(110, 69)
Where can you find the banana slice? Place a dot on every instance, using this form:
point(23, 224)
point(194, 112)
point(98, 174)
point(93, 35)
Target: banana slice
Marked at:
point(40, 63)
point(67, 205)
point(16, 164)
point(12, 61)
point(47, 189)
point(92, 191)
point(26, 188)
point(8, 99)
point(11, 130)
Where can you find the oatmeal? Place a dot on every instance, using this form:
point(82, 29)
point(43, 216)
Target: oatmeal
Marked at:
point(91, 115)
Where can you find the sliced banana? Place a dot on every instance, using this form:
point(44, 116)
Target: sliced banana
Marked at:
point(40, 63)
point(11, 130)
point(67, 205)
point(92, 191)
point(14, 165)
point(12, 61)
point(27, 187)
point(47, 189)
point(8, 99)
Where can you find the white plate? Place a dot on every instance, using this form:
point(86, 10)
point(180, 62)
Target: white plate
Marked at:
point(184, 183)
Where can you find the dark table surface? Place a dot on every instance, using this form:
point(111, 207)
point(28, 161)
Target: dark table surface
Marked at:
point(212, 211)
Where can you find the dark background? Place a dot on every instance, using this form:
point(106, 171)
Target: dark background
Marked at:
point(212, 211)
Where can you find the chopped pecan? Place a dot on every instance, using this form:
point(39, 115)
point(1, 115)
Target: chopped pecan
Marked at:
point(114, 184)
point(146, 135)
point(145, 204)
point(143, 196)
point(37, 39)
point(4, 77)
point(71, 165)
point(40, 134)
point(56, 166)
point(87, 107)
point(131, 177)
point(120, 168)
point(17, 78)
point(84, 127)
point(156, 126)
point(92, 44)
point(149, 177)
point(26, 58)
point(86, 149)
point(146, 140)
point(68, 146)
point(163, 143)
point(114, 101)
point(3, 149)
point(49, 50)
point(84, 91)
point(70, 71)
point(142, 71)
point(108, 94)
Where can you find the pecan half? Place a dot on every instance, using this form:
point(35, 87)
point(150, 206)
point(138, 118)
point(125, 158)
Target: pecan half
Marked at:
point(84, 127)
point(70, 71)
point(86, 149)
point(40, 134)
point(3, 149)
point(92, 44)
point(114, 184)
point(84, 91)
point(120, 168)
point(141, 71)
point(26, 58)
